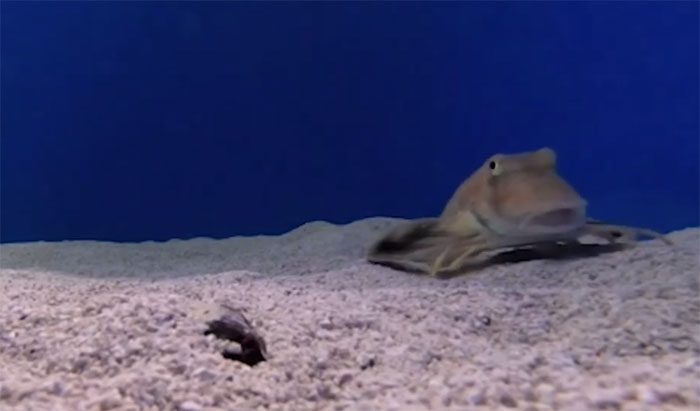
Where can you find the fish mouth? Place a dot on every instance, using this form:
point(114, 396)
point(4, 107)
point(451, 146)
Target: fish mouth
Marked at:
point(559, 222)
point(556, 221)
point(561, 217)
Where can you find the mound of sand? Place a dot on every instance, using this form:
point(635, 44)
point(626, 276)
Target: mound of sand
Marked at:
point(102, 326)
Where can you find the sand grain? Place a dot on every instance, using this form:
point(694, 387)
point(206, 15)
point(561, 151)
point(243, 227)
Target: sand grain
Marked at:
point(100, 326)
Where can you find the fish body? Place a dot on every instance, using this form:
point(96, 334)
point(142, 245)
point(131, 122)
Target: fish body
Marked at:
point(511, 200)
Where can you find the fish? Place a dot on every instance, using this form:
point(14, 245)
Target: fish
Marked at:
point(511, 201)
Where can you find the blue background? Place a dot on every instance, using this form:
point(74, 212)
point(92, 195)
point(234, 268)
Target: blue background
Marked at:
point(131, 121)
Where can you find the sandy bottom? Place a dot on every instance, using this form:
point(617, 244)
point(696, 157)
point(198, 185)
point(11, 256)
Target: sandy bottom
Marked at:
point(102, 326)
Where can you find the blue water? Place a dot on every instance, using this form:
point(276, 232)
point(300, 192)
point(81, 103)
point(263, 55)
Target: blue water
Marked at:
point(130, 121)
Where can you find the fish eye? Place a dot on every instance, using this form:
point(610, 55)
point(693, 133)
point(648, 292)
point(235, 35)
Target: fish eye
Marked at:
point(495, 167)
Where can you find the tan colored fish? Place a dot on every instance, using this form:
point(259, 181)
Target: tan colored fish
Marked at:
point(511, 201)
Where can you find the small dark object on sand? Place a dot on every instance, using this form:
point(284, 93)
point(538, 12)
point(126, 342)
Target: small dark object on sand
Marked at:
point(233, 326)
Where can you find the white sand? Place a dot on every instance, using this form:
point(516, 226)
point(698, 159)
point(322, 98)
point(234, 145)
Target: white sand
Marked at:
point(102, 326)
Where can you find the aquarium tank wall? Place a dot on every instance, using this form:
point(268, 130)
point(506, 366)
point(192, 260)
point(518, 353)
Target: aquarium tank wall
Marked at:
point(134, 121)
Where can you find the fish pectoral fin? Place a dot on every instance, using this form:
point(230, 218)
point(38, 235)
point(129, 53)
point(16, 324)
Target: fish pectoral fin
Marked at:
point(621, 234)
point(459, 255)
point(405, 236)
point(421, 246)
point(413, 246)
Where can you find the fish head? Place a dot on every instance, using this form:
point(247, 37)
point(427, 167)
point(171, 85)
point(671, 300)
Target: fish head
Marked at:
point(521, 195)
